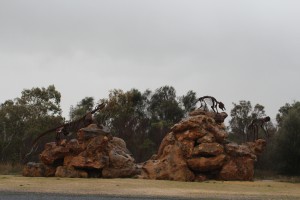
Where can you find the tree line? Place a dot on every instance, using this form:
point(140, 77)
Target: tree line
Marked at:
point(142, 119)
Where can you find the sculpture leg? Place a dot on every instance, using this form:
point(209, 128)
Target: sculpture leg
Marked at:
point(57, 138)
point(213, 108)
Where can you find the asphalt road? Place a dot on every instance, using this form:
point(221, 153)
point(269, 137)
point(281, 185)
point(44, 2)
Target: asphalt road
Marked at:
point(45, 196)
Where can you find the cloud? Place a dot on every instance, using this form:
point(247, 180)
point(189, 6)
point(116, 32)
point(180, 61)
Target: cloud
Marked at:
point(233, 50)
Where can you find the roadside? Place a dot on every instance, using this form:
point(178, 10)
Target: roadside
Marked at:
point(152, 188)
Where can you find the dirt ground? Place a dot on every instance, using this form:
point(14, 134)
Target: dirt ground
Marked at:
point(153, 188)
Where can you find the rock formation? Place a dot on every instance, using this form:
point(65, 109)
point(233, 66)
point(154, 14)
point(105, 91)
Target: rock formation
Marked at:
point(95, 153)
point(197, 149)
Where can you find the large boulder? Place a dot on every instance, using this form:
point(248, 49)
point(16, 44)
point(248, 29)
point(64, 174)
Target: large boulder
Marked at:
point(197, 149)
point(203, 164)
point(70, 172)
point(53, 153)
point(32, 169)
point(93, 156)
point(94, 153)
point(208, 149)
point(121, 163)
point(238, 168)
point(171, 165)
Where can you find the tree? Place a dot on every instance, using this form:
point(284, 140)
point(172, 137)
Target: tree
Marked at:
point(284, 110)
point(142, 119)
point(84, 106)
point(126, 116)
point(241, 116)
point(287, 151)
point(164, 111)
point(23, 118)
point(188, 101)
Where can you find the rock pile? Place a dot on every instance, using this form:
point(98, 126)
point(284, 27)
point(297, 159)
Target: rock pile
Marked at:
point(196, 149)
point(95, 153)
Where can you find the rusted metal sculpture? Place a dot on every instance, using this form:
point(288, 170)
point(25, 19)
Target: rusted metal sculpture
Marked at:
point(68, 128)
point(212, 102)
point(255, 125)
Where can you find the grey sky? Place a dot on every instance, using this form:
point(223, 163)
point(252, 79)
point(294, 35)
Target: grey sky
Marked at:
point(233, 50)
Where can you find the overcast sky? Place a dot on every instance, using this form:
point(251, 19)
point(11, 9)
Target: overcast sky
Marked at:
point(232, 50)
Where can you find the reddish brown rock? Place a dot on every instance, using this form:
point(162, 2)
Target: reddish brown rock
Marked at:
point(238, 168)
point(236, 150)
point(195, 150)
point(94, 156)
point(203, 164)
point(121, 162)
point(170, 166)
point(219, 133)
point(208, 138)
point(74, 147)
point(193, 134)
point(94, 153)
point(187, 147)
point(92, 131)
point(208, 149)
point(98, 161)
point(120, 172)
point(198, 112)
point(200, 178)
point(53, 153)
point(70, 172)
point(257, 147)
point(169, 139)
point(119, 145)
point(38, 170)
point(187, 124)
point(220, 117)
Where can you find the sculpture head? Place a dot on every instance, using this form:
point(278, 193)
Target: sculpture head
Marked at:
point(222, 106)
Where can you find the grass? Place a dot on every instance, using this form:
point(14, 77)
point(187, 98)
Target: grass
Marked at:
point(10, 169)
point(271, 175)
point(159, 188)
point(267, 185)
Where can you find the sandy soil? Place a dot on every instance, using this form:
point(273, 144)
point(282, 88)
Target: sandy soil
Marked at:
point(153, 188)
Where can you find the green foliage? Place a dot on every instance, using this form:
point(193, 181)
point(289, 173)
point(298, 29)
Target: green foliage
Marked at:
point(189, 101)
point(126, 117)
point(84, 106)
point(241, 116)
point(142, 119)
point(288, 141)
point(284, 110)
point(164, 106)
point(23, 118)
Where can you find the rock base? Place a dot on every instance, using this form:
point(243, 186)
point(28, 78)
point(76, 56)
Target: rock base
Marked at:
point(196, 149)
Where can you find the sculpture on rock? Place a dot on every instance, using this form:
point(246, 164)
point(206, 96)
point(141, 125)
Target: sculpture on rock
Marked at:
point(67, 128)
point(255, 125)
point(212, 102)
point(93, 153)
point(197, 149)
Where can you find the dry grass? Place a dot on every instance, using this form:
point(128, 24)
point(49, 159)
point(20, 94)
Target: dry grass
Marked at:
point(139, 187)
point(271, 175)
point(9, 168)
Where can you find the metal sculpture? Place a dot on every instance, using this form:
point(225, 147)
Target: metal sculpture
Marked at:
point(212, 102)
point(68, 127)
point(255, 125)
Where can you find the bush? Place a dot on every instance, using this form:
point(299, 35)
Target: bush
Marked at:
point(287, 151)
